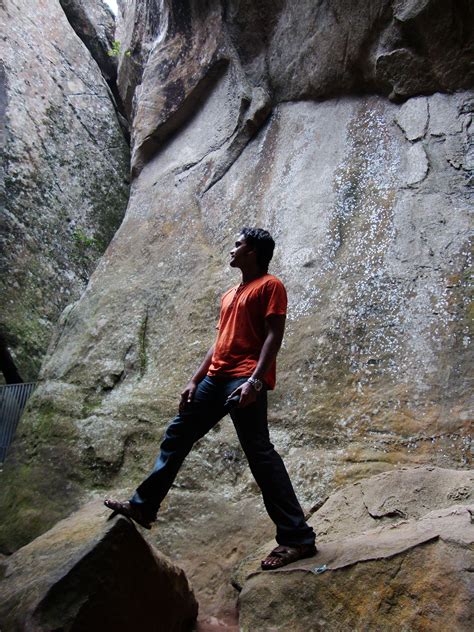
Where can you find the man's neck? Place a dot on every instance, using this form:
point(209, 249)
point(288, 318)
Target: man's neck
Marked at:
point(250, 275)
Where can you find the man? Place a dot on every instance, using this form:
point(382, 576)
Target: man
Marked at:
point(234, 377)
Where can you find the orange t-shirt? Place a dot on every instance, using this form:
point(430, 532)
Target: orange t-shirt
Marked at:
point(242, 327)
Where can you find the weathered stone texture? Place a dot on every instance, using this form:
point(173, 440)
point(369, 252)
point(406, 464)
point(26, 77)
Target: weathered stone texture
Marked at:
point(372, 370)
point(368, 200)
point(395, 553)
point(140, 24)
point(88, 573)
point(293, 51)
point(66, 175)
point(94, 23)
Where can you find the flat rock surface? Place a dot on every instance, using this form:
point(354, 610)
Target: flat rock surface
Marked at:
point(385, 576)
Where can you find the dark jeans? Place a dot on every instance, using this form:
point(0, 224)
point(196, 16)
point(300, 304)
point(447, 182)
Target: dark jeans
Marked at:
point(268, 469)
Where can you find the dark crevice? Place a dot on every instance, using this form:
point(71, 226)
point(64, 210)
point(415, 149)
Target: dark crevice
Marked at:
point(7, 364)
point(396, 513)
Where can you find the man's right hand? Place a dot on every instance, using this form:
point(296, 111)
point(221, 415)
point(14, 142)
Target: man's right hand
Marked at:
point(187, 395)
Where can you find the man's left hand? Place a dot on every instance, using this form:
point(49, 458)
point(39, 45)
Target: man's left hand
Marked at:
point(248, 395)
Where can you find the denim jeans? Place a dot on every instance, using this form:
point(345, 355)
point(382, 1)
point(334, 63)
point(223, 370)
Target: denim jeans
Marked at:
point(268, 469)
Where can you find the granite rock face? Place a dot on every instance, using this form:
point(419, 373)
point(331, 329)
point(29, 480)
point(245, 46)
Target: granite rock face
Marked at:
point(394, 552)
point(94, 23)
point(88, 573)
point(65, 175)
point(292, 51)
point(368, 200)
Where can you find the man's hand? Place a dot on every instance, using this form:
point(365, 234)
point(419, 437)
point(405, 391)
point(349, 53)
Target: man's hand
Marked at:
point(248, 394)
point(187, 395)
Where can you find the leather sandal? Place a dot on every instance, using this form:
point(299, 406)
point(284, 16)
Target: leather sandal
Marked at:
point(283, 555)
point(129, 511)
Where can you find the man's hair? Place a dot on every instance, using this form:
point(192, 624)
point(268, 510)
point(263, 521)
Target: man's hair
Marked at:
point(262, 242)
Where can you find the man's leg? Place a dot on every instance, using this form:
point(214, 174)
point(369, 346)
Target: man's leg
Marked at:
point(206, 409)
point(270, 474)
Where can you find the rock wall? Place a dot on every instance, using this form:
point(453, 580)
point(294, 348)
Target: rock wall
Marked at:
point(65, 175)
point(278, 117)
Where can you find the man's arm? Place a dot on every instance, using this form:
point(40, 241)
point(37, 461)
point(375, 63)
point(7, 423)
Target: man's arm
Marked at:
point(275, 325)
point(188, 393)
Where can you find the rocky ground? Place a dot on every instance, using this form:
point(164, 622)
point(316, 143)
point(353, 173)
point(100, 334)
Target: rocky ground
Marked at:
point(394, 553)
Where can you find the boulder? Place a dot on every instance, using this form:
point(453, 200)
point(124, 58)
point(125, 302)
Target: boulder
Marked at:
point(66, 170)
point(94, 573)
point(394, 552)
point(373, 370)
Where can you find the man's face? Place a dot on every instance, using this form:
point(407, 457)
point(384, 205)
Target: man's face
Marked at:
point(241, 254)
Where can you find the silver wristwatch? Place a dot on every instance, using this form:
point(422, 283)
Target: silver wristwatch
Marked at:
point(257, 384)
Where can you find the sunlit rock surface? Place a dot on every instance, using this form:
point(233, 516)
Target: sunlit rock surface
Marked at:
point(88, 573)
point(395, 552)
point(368, 200)
point(65, 175)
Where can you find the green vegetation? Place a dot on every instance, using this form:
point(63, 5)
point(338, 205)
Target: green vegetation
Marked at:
point(116, 50)
point(82, 240)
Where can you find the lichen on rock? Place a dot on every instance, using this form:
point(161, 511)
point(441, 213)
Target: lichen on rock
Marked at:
point(66, 176)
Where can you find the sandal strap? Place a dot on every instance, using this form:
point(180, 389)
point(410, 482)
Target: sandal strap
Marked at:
point(281, 551)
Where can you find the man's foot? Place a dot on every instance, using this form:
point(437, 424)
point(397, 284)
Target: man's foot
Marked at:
point(130, 511)
point(283, 555)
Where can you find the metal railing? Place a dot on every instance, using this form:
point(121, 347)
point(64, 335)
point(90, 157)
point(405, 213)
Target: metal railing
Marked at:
point(13, 398)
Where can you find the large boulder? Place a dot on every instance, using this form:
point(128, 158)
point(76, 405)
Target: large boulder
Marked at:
point(65, 175)
point(91, 573)
point(372, 372)
point(395, 552)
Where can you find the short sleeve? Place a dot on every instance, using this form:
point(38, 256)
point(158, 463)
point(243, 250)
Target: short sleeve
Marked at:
point(276, 300)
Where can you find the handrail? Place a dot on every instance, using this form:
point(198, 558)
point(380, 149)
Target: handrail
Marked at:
point(13, 398)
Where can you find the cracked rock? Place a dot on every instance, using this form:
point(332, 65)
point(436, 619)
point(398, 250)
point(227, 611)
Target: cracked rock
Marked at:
point(413, 118)
point(415, 164)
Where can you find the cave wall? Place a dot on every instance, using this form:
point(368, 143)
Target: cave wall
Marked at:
point(347, 132)
point(66, 175)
